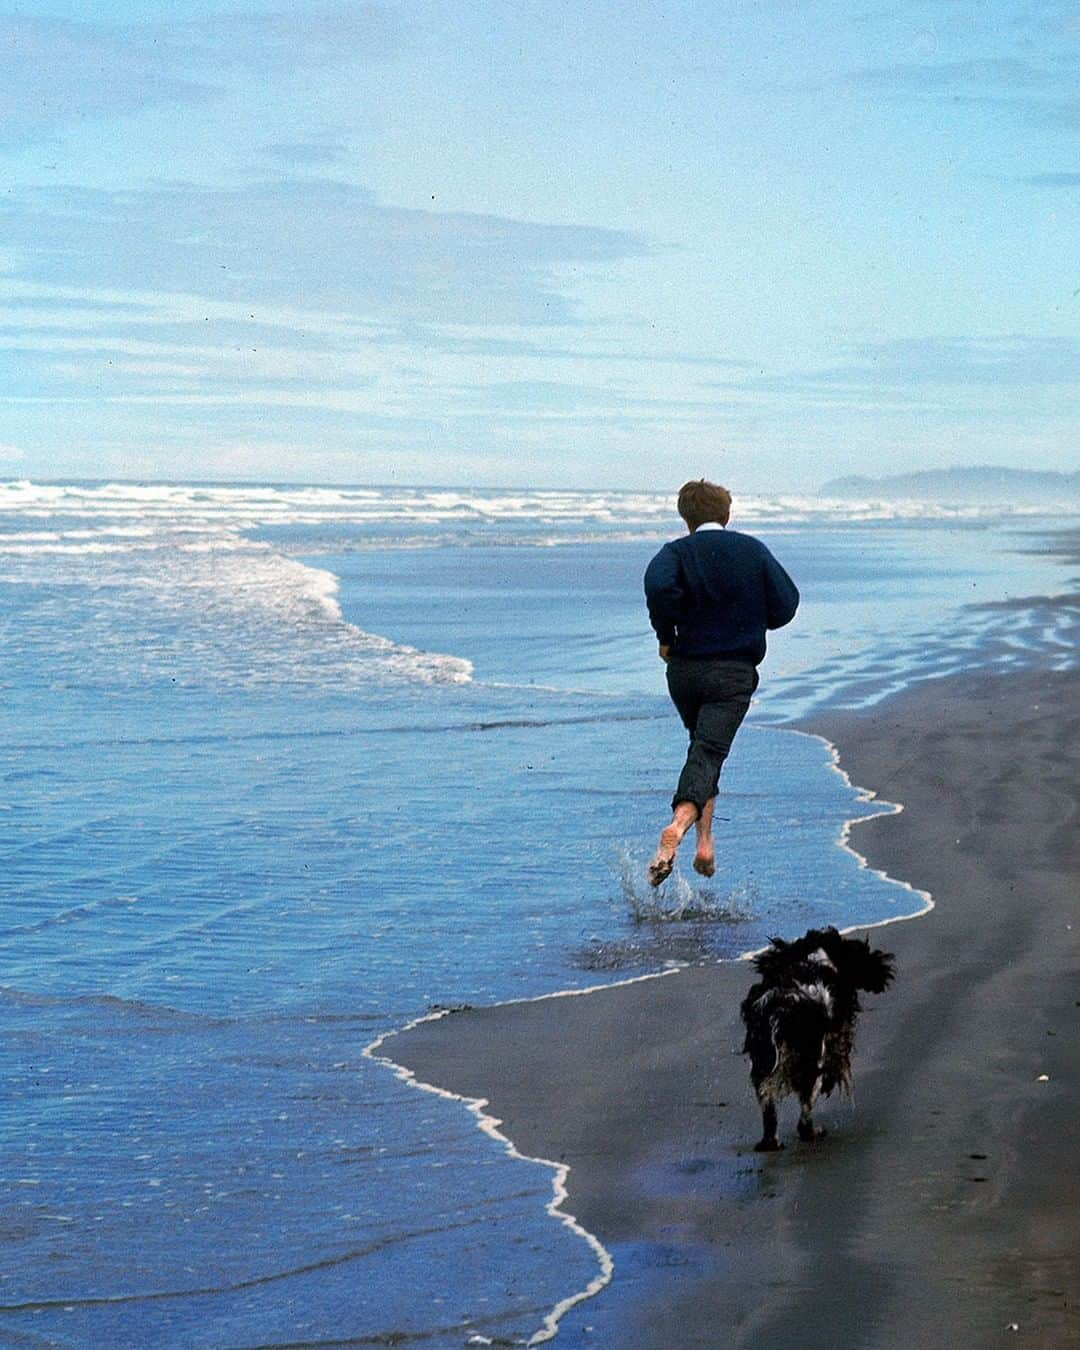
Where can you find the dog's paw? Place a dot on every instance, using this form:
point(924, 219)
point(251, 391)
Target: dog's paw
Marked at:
point(772, 1145)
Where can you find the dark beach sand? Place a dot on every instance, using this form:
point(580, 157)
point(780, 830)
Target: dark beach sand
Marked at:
point(944, 1207)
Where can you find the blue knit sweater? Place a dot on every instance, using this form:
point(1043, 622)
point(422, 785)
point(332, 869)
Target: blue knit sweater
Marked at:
point(715, 592)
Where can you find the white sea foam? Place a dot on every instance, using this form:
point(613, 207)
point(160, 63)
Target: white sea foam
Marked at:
point(224, 606)
point(20, 547)
point(247, 507)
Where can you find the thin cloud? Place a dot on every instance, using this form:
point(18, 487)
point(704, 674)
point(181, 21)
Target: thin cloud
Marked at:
point(308, 298)
point(307, 154)
point(286, 39)
point(54, 71)
point(949, 76)
point(313, 244)
point(1058, 113)
point(1032, 76)
point(1052, 180)
point(1017, 361)
point(491, 346)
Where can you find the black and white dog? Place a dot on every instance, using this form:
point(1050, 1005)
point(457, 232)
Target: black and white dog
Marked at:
point(800, 1021)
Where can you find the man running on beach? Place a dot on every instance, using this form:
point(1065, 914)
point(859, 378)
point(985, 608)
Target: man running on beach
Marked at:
point(711, 596)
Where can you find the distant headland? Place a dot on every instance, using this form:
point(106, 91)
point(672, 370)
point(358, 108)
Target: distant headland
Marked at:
point(975, 484)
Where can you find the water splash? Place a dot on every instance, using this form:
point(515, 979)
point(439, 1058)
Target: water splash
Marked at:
point(679, 900)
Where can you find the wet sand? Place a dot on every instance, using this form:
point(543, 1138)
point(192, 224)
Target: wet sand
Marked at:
point(943, 1208)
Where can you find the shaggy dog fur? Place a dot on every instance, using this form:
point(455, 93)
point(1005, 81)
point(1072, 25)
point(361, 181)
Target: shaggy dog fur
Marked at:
point(800, 1021)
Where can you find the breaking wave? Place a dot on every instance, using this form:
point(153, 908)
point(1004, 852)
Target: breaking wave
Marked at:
point(241, 507)
point(170, 588)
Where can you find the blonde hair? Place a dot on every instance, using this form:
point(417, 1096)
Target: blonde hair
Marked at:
point(701, 501)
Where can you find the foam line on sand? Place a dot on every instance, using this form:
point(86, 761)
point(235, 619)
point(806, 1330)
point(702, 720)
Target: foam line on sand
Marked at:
point(843, 841)
point(489, 1124)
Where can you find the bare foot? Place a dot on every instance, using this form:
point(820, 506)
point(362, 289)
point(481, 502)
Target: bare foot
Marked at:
point(705, 862)
point(664, 859)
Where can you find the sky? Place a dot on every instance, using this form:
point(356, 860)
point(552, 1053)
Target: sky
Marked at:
point(579, 243)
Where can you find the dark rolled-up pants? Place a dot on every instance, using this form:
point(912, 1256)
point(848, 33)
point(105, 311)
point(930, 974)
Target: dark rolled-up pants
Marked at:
point(712, 697)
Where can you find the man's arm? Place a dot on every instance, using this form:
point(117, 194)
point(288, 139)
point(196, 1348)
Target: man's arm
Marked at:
point(781, 593)
point(664, 594)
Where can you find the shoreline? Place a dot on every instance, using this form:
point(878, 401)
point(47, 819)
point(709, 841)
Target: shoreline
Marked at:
point(489, 1124)
point(640, 1136)
point(843, 842)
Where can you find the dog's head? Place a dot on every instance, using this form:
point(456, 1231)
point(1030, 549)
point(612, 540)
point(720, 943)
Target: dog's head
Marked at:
point(854, 961)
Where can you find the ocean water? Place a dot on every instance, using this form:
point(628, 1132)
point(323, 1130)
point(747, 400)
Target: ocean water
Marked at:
point(285, 768)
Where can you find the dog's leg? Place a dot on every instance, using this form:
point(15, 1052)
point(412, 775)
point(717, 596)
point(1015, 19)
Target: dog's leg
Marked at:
point(806, 1129)
point(768, 1143)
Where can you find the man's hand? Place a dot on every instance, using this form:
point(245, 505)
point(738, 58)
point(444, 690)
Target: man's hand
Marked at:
point(665, 652)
